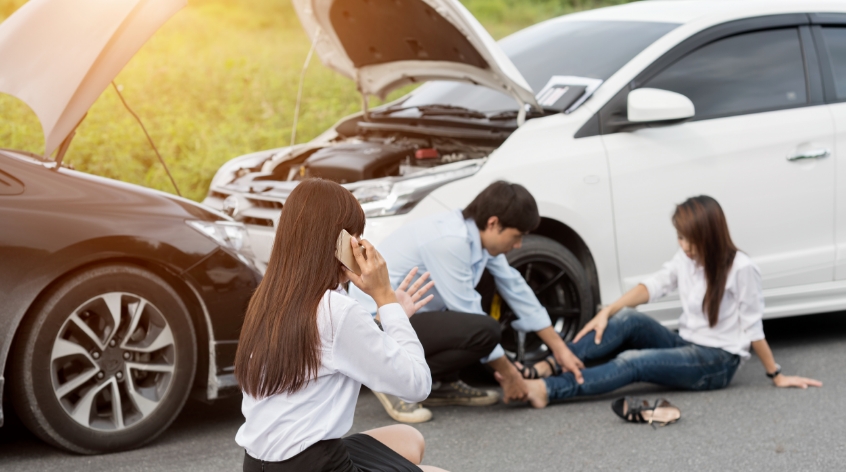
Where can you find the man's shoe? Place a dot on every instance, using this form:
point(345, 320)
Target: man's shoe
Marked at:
point(459, 393)
point(403, 412)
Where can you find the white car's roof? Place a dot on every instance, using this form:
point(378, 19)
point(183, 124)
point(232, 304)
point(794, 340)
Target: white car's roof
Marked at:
point(688, 11)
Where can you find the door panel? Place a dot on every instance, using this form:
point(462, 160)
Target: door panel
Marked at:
point(752, 114)
point(832, 41)
point(779, 212)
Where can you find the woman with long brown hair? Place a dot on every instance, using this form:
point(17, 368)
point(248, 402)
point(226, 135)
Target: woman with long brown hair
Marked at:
point(722, 305)
point(306, 347)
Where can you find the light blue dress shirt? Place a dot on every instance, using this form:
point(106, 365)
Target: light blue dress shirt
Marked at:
point(450, 249)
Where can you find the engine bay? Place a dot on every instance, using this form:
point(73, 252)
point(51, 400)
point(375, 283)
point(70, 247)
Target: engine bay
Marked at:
point(348, 160)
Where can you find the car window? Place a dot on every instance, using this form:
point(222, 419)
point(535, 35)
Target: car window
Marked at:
point(594, 49)
point(740, 74)
point(835, 42)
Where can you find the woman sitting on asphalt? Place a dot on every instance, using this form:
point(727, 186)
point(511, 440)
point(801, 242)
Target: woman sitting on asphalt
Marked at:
point(722, 301)
point(306, 347)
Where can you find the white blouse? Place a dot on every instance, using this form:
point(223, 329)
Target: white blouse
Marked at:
point(739, 322)
point(353, 352)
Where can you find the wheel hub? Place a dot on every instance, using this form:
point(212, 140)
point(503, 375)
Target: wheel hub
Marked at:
point(112, 361)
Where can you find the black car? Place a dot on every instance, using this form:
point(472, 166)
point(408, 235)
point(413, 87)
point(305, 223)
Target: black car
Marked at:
point(116, 303)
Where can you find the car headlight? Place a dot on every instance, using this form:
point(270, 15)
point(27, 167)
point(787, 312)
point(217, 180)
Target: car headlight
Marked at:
point(398, 195)
point(229, 235)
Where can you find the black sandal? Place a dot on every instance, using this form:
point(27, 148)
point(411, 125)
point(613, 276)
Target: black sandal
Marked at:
point(531, 373)
point(636, 410)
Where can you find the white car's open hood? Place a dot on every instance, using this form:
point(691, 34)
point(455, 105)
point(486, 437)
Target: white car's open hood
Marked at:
point(384, 44)
point(58, 56)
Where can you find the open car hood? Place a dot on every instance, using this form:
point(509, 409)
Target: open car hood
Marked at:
point(385, 44)
point(58, 56)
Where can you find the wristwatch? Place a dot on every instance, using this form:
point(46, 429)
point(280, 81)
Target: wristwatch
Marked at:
point(777, 371)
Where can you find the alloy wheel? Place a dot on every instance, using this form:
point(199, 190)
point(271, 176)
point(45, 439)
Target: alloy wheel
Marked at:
point(113, 361)
point(557, 292)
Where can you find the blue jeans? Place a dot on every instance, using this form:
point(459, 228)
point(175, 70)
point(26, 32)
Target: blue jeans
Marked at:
point(655, 354)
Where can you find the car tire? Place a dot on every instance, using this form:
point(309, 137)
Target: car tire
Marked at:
point(108, 332)
point(561, 284)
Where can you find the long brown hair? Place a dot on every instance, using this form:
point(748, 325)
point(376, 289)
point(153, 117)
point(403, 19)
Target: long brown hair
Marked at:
point(702, 222)
point(279, 347)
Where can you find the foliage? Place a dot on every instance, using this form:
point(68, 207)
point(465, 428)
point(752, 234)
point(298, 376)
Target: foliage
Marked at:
point(220, 80)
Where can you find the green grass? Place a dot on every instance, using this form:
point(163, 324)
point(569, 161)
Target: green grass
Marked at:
point(220, 80)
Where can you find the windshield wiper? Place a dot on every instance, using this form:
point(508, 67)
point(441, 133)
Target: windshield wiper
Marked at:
point(437, 110)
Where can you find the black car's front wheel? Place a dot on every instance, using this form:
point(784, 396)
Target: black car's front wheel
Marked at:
point(104, 361)
point(562, 286)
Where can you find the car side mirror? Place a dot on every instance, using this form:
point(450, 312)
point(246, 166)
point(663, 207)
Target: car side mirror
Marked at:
point(647, 105)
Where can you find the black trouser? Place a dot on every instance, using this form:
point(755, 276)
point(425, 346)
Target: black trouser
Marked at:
point(453, 340)
point(356, 453)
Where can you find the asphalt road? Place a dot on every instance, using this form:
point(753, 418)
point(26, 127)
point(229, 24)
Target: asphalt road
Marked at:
point(751, 425)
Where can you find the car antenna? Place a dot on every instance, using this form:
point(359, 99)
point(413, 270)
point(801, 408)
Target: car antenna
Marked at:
point(300, 88)
point(138, 119)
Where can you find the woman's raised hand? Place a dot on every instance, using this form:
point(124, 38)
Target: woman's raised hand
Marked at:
point(409, 298)
point(374, 279)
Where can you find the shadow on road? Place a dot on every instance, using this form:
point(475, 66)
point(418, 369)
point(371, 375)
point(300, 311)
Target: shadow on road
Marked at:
point(198, 419)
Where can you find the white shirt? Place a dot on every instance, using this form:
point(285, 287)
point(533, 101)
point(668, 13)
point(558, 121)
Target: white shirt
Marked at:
point(739, 322)
point(450, 248)
point(353, 352)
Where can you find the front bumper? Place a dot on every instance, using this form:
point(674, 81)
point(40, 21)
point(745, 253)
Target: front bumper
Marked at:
point(261, 217)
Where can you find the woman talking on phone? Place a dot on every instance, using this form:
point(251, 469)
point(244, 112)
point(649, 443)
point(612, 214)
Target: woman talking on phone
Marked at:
point(722, 305)
point(306, 347)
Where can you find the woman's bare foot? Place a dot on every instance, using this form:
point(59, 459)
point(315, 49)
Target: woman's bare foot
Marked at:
point(538, 397)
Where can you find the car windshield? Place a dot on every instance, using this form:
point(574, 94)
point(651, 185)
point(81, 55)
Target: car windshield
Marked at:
point(594, 49)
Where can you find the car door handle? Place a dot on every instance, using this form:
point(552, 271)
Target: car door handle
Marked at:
point(812, 154)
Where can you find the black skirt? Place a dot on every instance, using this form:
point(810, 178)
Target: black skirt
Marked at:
point(356, 453)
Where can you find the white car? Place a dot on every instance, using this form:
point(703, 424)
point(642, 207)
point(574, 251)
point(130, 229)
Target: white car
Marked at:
point(638, 107)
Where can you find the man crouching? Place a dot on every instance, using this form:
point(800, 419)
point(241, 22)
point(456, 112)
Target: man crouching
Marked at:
point(455, 248)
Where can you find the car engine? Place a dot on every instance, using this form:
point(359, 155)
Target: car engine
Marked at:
point(355, 159)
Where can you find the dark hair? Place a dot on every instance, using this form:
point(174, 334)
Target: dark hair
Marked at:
point(702, 222)
point(279, 347)
point(511, 203)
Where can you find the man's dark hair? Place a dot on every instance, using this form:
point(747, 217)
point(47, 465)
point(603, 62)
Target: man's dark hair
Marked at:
point(511, 203)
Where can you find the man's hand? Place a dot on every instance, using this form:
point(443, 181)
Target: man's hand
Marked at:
point(569, 363)
point(598, 324)
point(409, 298)
point(514, 388)
point(563, 356)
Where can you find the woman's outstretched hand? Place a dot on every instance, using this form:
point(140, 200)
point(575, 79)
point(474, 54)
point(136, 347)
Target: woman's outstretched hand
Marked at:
point(787, 381)
point(409, 298)
point(374, 279)
point(598, 323)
